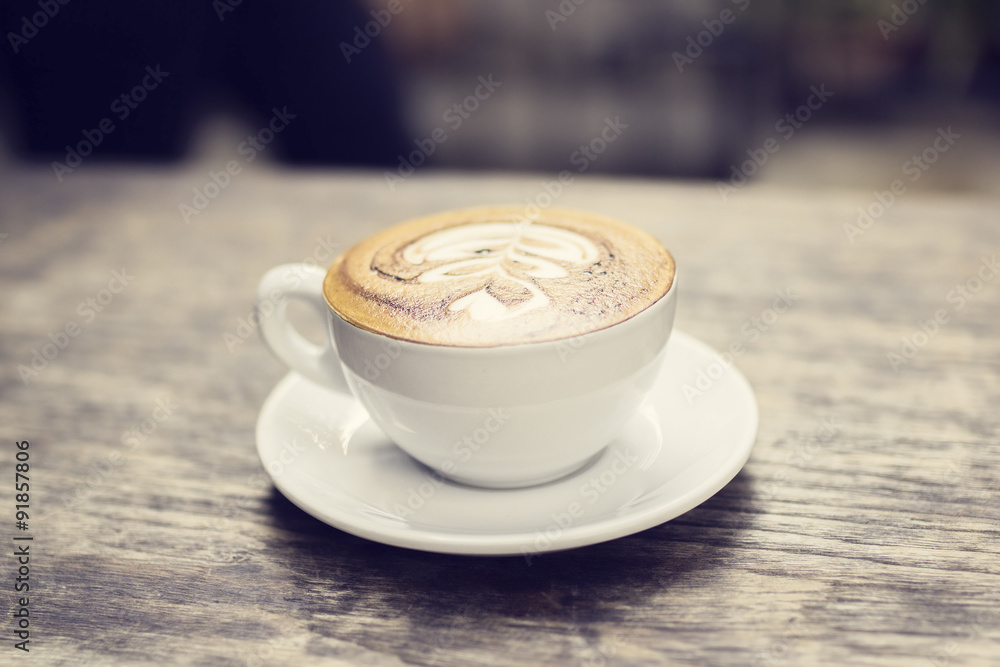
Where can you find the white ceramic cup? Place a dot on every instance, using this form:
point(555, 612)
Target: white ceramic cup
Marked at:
point(500, 417)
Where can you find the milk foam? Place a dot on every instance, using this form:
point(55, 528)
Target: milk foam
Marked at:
point(488, 276)
point(512, 252)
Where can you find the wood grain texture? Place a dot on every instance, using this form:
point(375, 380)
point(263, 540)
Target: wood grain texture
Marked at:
point(863, 531)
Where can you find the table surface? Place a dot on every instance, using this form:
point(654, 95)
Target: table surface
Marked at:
point(863, 530)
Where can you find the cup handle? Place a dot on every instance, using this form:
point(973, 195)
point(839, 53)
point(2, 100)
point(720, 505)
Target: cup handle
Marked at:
point(319, 363)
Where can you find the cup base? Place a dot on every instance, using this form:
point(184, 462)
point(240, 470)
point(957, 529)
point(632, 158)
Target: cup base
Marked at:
point(474, 483)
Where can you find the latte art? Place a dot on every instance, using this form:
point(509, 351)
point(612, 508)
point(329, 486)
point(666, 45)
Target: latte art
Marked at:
point(486, 277)
point(509, 257)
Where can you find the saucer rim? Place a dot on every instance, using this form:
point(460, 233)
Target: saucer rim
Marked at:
point(342, 517)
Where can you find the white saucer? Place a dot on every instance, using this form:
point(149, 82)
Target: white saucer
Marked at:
point(327, 457)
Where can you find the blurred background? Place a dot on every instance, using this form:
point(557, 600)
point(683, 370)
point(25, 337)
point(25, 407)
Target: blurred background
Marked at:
point(816, 92)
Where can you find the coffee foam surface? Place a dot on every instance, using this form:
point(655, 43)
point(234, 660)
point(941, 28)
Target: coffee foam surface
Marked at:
point(490, 276)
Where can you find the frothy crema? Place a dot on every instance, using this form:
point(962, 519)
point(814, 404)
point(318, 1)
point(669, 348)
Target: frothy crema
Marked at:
point(490, 276)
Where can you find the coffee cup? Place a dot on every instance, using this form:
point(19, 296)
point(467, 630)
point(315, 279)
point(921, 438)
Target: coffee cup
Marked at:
point(494, 350)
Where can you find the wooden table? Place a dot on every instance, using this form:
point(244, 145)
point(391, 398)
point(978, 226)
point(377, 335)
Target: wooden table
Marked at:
point(863, 530)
